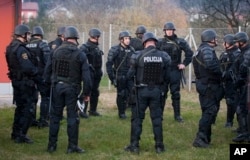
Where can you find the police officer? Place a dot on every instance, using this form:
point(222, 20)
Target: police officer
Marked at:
point(21, 73)
point(60, 38)
point(150, 68)
point(229, 59)
point(94, 55)
point(174, 46)
point(242, 40)
point(117, 65)
point(40, 52)
point(69, 69)
point(208, 85)
point(136, 42)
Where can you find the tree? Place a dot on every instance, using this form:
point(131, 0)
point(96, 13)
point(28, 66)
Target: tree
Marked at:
point(214, 13)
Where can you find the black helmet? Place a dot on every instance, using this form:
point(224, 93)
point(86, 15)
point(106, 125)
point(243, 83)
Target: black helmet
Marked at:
point(141, 29)
point(21, 29)
point(124, 34)
point(241, 37)
point(148, 36)
point(208, 35)
point(71, 32)
point(37, 30)
point(229, 39)
point(60, 31)
point(94, 32)
point(168, 26)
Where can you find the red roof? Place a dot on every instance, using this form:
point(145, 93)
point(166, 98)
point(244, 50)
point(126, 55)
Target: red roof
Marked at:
point(30, 6)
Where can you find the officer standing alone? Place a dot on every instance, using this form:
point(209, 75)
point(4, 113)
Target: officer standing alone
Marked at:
point(117, 66)
point(21, 73)
point(208, 85)
point(94, 55)
point(150, 68)
point(174, 46)
point(69, 70)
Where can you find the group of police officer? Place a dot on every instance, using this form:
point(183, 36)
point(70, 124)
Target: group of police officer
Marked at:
point(226, 76)
point(143, 69)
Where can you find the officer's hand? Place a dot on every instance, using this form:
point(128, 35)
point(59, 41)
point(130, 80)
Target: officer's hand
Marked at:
point(181, 66)
point(114, 82)
point(86, 98)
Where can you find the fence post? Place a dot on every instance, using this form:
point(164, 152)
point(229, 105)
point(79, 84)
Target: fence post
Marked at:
point(110, 43)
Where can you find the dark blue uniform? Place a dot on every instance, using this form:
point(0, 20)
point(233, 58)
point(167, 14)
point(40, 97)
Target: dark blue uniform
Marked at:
point(151, 69)
point(229, 60)
point(40, 52)
point(174, 47)
point(208, 85)
point(69, 69)
point(242, 84)
point(94, 55)
point(117, 67)
point(21, 73)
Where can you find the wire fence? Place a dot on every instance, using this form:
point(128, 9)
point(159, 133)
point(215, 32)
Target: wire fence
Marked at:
point(110, 32)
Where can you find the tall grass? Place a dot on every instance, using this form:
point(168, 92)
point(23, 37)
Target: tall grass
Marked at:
point(105, 137)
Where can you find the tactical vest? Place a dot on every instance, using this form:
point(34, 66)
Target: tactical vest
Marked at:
point(150, 68)
point(14, 66)
point(94, 55)
point(173, 49)
point(122, 60)
point(36, 53)
point(200, 69)
point(66, 66)
point(136, 43)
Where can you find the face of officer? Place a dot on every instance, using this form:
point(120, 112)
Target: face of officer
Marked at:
point(125, 41)
point(94, 39)
point(213, 43)
point(169, 32)
point(227, 46)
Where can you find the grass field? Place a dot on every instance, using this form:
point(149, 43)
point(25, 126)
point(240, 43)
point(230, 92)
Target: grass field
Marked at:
point(105, 137)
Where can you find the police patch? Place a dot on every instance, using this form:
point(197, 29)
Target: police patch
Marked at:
point(24, 56)
point(53, 46)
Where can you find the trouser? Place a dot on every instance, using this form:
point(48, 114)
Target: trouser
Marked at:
point(64, 95)
point(23, 93)
point(147, 97)
point(94, 97)
point(209, 97)
point(45, 98)
point(174, 87)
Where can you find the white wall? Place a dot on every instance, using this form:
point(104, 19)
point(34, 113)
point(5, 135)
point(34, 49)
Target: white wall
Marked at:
point(5, 88)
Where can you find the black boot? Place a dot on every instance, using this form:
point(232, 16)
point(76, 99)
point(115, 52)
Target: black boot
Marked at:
point(74, 149)
point(230, 116)
point(51, 147)
point(93, 106)
point(73, 131)
point(159, 147)
point(84, 113)
point(177, 115)
point(133, 147)
point(201, 141)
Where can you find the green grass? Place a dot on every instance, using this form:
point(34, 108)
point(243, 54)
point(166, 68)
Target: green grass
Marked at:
point(105, 137)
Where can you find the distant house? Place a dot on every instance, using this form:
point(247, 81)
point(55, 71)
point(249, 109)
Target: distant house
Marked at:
point(60, 11)
point(29, 11)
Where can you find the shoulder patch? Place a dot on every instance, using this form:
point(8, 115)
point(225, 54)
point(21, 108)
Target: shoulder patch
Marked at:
point(24, 56)
point(53, 46)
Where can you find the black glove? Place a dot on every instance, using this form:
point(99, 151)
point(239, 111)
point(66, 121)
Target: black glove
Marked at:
point(114, 82)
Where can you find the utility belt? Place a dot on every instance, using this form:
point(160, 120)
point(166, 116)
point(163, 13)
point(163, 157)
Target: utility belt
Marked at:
point(151, 85)
point(68, 83)
point(209, 81)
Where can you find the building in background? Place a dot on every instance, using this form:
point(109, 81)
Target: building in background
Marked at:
point(29, 11)
point(10, 16)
